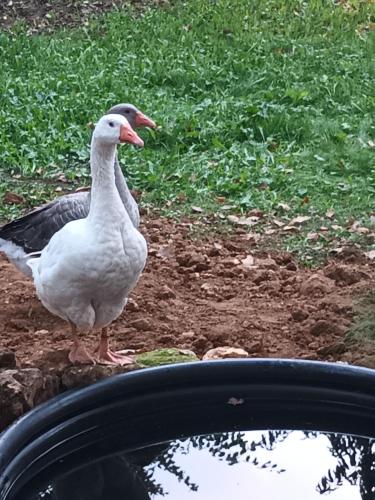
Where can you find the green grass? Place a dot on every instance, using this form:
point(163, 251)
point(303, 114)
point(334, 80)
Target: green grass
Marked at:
point(362, 330)
point(258, 102)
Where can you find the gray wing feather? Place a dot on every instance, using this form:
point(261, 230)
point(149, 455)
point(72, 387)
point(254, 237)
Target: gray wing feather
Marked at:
point(33, 231)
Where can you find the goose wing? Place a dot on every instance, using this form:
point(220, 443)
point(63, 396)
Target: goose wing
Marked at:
point(33, 231)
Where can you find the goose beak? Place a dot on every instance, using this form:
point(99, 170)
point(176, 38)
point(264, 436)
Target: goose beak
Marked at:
point(128, 135)
point(142, 120)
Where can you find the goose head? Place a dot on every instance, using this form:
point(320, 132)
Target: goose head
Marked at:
point(114, 129)
point(135, 117)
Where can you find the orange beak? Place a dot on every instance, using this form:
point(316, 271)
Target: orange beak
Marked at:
point(142, 120)
point(128, 135)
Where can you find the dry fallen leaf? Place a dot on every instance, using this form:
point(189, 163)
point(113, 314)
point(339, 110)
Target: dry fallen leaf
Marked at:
point(330, 213)
point(243, 221)
point(197, 210)
point(301, 219)
point(312, 236)
point(255, 212)
point(248, 261)
point(278, 223)
point(356, 228)
point(284, 206)
point(336, 251)
point(335, 227)
point(370, 255)
point(164, 252)
point(371, 144)
point(362, 230)
point(13, 198)
point(206, 286)
point(82, 188)
point(253, 237)
point(291, 229)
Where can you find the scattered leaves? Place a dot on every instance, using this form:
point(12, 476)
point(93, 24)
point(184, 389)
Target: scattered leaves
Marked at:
point(244, 221)
point(298, 221)
point(13, 198)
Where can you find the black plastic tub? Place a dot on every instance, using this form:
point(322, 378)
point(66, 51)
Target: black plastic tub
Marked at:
point(128, 422)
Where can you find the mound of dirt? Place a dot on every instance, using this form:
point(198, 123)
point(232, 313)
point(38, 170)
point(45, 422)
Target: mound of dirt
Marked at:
point(199, 295)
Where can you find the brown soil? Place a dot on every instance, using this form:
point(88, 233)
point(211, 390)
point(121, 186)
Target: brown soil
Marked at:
point(200, 294)
point(41, 15)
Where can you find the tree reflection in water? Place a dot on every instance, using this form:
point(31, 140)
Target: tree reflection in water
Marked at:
point(133, 474)
point(232, 447)
point(355, 464)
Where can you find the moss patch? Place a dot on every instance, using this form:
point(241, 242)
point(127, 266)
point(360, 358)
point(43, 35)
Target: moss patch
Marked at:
point(165, 357)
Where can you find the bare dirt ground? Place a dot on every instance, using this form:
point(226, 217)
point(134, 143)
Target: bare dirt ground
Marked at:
point(42, 15)
point(212, 292)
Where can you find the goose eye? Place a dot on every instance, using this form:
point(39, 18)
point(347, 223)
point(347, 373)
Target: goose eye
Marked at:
point(127, 111)
point(111, 124)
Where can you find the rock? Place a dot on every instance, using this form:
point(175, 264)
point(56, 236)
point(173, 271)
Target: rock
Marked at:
point(187, 335)
point(254, 347)
point(167, 339)
point(313, 346)
point(165, 357)
point(54, 360)
point(325, 327)
point(266, 264)
point(141, 324)
point(291, 266)
point(7, 359)
point(230, 262)
point(200, 343)
point(41, 332)
point(317, 284)
point(299, 314)
point(272, 287)
point(337, 348)
point(225, 352)
point(165, 293)
point(188, 259)
point(80, 376)
point(342, 274)
point(20, 324)
point(265, 275)
point(367, 361)
point(21, 390)
point(132, 305)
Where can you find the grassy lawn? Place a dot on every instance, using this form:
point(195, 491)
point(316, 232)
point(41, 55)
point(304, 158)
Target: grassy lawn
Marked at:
point(260, 103)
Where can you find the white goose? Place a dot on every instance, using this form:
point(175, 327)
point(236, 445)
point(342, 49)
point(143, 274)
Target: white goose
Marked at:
point(32, 232)
point(86, 272)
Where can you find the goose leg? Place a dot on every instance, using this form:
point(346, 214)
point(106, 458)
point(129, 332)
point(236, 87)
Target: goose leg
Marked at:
point(78, 353)
point(108, 357)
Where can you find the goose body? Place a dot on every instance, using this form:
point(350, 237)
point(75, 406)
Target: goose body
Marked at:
point(89, 267)
point(32, 232)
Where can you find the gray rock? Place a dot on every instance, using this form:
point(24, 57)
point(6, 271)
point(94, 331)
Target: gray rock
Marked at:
point(7, 359)
point(21, 390)
point(80, 376)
